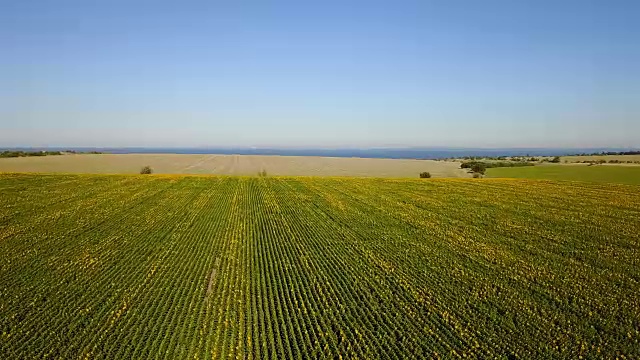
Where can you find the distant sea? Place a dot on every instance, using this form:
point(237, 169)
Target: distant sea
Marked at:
point(390, 153)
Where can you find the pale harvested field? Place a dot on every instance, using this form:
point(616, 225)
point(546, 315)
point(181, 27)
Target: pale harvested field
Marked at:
point(572, 159)
point(231, 165)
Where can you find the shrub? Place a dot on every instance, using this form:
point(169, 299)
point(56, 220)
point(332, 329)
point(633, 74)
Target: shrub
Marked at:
point(146, 170)
point(477, 175)
point(425, 175)
point(555, 159)
point(262, 173)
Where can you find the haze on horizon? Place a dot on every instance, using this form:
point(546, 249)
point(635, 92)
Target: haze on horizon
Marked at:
point(321, 74)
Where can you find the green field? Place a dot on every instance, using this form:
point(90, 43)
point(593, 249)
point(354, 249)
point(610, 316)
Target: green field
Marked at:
point(135, 267)
point(599, 173)
point(580, 158)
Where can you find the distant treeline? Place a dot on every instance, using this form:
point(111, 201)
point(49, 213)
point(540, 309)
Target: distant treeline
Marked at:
point(503, 158)
point(486, 157)
point(82, 152)
point(634, 152)
point(479, 167)
point(19, 153)
point(13, 154)
point(488, 165)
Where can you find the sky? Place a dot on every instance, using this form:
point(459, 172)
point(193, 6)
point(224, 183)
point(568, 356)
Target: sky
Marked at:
point(320, 73)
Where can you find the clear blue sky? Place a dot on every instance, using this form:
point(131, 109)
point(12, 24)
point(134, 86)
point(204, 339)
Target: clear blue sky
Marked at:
point(320, 73)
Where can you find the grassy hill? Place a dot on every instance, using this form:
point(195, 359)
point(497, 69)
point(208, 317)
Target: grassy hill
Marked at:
point(230, 267)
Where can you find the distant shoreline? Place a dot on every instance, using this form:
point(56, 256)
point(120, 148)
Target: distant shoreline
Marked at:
point(375, 153)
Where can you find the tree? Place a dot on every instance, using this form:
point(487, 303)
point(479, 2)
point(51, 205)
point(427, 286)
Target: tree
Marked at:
point(425, 175)
point(479, 168)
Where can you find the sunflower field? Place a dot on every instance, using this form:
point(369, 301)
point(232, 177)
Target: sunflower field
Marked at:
point(197, 267)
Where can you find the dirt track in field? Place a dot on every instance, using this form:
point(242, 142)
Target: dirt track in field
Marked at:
point(231, 165)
